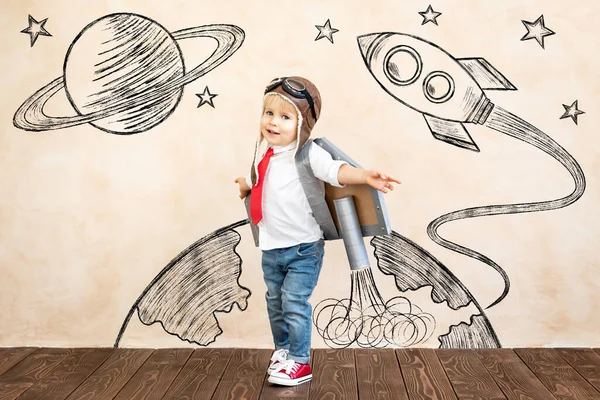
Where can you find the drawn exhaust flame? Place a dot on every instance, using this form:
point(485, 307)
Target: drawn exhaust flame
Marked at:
point(368, 321)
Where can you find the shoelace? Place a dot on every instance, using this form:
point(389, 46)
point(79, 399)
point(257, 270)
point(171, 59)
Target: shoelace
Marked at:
point(289, 366)
point(280, 355)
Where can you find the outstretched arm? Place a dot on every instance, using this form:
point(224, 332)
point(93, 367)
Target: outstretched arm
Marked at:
point(349, 175)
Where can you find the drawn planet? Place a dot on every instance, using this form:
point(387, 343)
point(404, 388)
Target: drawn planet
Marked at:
point(124, 74)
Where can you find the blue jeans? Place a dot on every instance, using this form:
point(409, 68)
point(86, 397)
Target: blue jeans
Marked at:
point(291, 274)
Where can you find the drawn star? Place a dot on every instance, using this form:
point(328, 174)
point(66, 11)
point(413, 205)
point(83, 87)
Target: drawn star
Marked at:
point(326, 31)
point(571, 111)
point(536, 30)
point(429, 15)
point(36, 29)
point(206, 98)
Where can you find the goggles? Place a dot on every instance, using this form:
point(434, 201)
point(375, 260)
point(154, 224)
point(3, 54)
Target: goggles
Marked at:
point(294, 88)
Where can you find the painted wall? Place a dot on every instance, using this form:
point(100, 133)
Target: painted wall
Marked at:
point(120, 222)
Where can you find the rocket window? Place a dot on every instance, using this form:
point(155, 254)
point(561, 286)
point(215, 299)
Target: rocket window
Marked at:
point(402, 65)
point(438, 87)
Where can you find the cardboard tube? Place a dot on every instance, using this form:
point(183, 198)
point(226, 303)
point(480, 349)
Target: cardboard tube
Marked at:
point(351, 233)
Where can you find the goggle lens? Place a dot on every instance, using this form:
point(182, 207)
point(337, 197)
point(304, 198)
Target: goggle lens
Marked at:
point(295, 88)
point(296, 85)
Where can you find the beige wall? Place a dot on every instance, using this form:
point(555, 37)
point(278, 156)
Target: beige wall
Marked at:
point(88, 218)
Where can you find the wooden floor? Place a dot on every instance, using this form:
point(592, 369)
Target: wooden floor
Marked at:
point(544, 374)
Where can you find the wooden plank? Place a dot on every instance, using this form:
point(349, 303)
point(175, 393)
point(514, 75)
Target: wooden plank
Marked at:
point(155, 376)
point(11, 391)
point(200, 375)
point(424, 375)
point(110, 378)
point(245, 375)
point(12, 355)
point(275, 392)
point(468, 376)
point(65, 378)
point(85, 374)
point(334, 375)
point(35, 367)
point(586, 362)
point(512, 376)
point(378, 375)
point(557, 375)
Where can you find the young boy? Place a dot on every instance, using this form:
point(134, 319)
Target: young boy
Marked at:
point(290, 239)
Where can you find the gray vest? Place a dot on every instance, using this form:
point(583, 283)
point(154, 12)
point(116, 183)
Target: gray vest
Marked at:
point(313, 189)
point(314, 193)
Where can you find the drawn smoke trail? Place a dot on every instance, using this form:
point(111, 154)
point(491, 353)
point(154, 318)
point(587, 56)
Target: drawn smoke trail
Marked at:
point(450, 92)
point(505, 122)
point(365, 319)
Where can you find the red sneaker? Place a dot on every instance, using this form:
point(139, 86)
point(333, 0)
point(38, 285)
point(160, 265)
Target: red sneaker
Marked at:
point(290, 373)
point(277, 358)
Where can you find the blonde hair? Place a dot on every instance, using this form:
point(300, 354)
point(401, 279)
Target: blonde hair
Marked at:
point(279, 102)
point(274, 100)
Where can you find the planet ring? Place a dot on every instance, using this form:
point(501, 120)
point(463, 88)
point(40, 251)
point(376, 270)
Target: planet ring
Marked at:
point(31, 117)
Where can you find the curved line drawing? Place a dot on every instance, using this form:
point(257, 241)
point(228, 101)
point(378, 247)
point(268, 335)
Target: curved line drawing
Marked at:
point(139, 75)
point(200, 282)
point(478, 333)
point(431, 91)
point(369, 321)
point(505, 122)
point(469, 105)
point(204, 280)
point(413, 268)
point(391, 68)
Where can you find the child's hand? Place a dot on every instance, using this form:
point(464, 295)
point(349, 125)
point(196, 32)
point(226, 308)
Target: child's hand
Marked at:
point(380, 181)
point(243, 186)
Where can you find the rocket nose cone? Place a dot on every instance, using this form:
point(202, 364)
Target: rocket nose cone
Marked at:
point(364, 42)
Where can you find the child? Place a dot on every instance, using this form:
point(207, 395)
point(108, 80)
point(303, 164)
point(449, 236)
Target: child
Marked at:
point(290, 239)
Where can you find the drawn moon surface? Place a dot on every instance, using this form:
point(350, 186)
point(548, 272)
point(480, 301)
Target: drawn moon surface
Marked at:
point(125, 73)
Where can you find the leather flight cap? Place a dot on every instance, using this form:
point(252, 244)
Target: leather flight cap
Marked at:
point(302, 93)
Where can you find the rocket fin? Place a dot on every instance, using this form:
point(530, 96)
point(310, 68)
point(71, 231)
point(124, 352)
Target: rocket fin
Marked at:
point(486, 76)
point(450, 132)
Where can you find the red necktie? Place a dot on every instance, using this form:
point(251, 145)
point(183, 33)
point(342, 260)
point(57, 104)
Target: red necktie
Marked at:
point(257, 190)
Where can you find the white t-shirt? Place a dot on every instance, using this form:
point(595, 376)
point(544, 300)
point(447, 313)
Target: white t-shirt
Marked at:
point(287, 216)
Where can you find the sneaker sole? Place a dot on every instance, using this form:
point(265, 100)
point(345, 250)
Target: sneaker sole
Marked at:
point(289, 382)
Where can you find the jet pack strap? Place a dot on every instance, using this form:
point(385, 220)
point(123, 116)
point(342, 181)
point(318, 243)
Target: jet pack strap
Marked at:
point(315, 194)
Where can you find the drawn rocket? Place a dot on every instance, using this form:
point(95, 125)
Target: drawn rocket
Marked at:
point(448, 91)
